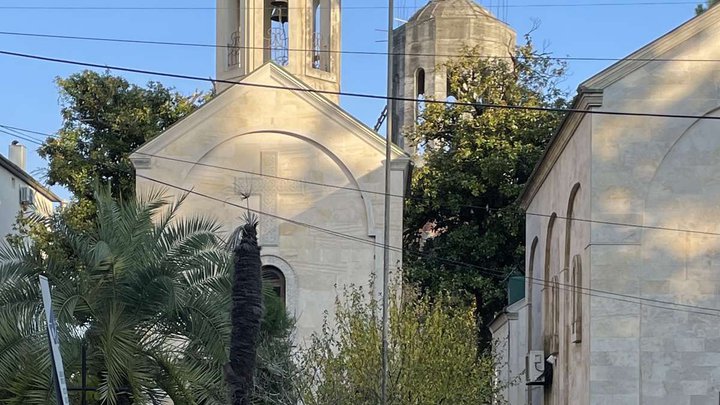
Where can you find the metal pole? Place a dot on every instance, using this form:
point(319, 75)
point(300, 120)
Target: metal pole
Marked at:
point(83, 374)
point(386, 238)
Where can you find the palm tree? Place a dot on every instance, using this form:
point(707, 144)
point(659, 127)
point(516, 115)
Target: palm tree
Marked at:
point(247, 314)
point(146, 291)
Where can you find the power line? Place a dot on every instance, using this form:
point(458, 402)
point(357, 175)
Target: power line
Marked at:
point(346, 52)
point(483, 270)
point(15, 135)
point(200, 8)
point(348, 188)
point(406, 198)
point(354, 94)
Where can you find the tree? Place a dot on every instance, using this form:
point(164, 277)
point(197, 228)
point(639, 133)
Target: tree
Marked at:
point(701, 8)
point(143, 293)
point(476, 161)
point(150, 294)
point(105, 119)
point(433, 356)
point(247, 310)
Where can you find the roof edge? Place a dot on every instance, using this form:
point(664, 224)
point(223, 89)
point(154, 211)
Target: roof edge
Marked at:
point(585, 100)
point(18, 172)
point(652, 50)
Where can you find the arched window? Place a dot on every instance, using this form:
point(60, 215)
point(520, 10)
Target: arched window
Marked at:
point(576, 327)
point(548, 292)
point(419, 92)
point(321, 35)
point(530, 283)
point(274, 278)
point(568, 223)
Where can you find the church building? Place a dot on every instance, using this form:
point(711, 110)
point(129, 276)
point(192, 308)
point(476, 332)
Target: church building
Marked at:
point(270, 143)
point(623, 237)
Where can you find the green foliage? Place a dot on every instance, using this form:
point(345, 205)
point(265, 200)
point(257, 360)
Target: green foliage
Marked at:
point(148, 292)
point(701, 8)
point(476, 161)
point(105, 118)
point(432, 353)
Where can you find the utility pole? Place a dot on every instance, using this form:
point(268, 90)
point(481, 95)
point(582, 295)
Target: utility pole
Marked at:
point(386, 237)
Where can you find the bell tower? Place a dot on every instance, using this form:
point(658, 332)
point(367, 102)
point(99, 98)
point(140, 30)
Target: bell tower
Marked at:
point(302, 36)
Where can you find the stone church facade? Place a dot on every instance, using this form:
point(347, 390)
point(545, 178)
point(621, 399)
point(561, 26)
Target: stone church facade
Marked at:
point(272, 145)
point(598, 292)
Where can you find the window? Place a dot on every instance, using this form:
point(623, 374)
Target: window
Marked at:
point(274, 278)
point(555, 339)
point(321, 35)
point(419, 92)
point(576, 326)
point(276, 28)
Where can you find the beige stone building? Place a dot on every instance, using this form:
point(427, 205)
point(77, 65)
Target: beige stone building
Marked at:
point(433, 35)
point(659, 175)
point(274, 145)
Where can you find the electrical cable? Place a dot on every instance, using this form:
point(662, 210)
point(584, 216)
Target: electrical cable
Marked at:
point(381, 193)
point(485, 270)
point(365, 53)
point(353, 94)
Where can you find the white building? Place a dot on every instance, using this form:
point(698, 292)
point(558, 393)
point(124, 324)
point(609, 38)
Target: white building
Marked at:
point(598, 292)
point(19, 191)
point(273, 144)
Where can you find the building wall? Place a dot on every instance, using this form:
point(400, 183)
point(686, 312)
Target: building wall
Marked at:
point(552, 258)
point(10, 201)
point(509, 343)
point(311, 141)
point(658, 172)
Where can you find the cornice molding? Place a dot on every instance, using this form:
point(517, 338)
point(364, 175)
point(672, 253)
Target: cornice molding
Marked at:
point(585, 101)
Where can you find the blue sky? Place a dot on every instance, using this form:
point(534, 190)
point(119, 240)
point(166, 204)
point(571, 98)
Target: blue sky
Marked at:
point(577, 28)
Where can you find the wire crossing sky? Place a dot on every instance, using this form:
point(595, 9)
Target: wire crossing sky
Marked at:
point(567, 29)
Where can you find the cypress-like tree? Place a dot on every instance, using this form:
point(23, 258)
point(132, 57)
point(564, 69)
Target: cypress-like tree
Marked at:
point(246, 315)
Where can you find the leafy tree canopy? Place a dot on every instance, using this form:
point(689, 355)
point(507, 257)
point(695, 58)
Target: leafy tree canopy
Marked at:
point(149, 293)
point(701, 8)
point(475, 162)
point(432, 353)
point(105, 118)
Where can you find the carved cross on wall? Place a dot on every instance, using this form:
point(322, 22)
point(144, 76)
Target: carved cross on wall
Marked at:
point(268, 188)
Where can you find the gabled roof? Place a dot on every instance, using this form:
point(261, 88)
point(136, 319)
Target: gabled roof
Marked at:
point(590, 92)
point(653, 50)
point(24, 176)
point(293, 84)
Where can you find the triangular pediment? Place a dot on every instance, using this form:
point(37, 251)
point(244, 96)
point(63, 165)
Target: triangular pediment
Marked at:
point(281, 94)
point(654, 51)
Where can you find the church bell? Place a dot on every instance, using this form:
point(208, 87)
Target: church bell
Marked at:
point(279, 11)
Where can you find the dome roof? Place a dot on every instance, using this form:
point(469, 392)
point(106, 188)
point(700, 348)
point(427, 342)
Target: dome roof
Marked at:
point(449, 9)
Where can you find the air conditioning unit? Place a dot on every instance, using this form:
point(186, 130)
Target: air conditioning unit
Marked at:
point(534, 365)
point(27, 196)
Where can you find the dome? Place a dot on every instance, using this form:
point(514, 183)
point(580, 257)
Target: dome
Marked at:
point(450, 9)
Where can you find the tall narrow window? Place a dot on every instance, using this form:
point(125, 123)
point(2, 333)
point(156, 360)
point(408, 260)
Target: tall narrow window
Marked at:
point(276, 28)
point(235, 35)
point(419, 92)
point(576, 327)
point(555, 342)
point(322, 56)
point(274, 278)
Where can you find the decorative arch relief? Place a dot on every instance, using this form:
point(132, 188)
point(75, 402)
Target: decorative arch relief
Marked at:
point(372, 229)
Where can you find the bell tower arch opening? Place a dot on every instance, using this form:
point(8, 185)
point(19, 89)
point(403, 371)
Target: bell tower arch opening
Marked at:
point(302, 36)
